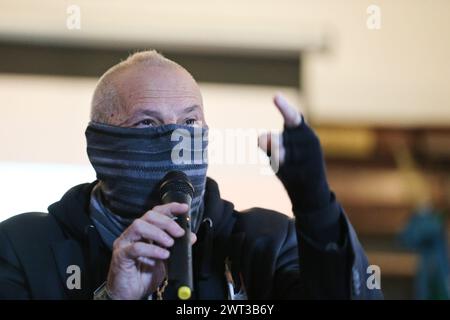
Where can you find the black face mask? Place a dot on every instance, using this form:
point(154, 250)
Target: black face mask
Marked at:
point(130, 163)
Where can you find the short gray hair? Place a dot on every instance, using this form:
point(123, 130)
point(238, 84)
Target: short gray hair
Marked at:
point(106, 101)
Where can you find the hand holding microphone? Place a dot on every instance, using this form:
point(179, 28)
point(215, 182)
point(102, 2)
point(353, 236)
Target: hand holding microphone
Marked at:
point(176, 187)
point(138, 265)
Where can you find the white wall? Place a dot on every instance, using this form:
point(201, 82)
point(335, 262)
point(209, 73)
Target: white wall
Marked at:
point(399, 74)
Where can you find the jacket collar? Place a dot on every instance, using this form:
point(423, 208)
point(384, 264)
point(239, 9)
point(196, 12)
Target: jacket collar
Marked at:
point(221, 212)
point(72, 211)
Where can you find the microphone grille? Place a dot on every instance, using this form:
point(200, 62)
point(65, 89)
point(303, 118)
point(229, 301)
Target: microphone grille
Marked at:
point(176, 181)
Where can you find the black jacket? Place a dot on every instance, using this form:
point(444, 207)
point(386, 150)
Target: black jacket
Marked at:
point(36, 250)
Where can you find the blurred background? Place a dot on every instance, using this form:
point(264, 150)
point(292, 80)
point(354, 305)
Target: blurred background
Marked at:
point(373, 78)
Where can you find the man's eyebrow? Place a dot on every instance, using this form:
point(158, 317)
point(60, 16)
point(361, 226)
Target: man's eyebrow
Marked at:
point(151, 113)
point(157, 115)
point(145, 112)
point(191, 108)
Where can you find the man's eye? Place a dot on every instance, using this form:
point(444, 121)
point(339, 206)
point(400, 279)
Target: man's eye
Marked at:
point(191, 122)
point(145, 123)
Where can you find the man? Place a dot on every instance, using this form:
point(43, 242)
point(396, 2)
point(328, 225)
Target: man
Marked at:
point(101, 240)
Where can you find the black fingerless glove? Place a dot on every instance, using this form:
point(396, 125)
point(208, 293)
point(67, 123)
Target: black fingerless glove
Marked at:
point(303, 171)
point(303, 175)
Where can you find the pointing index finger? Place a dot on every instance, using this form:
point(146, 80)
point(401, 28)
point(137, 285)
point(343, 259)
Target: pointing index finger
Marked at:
point(291, 116)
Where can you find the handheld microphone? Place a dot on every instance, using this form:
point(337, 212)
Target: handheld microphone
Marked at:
point(176, 187)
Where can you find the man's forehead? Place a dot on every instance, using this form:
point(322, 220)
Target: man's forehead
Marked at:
point(157, 79)
point(171, 92)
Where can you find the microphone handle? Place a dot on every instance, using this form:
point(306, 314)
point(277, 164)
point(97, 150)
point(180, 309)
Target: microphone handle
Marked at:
point(180, 261)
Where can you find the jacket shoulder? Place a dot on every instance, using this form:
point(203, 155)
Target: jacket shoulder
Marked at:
point(28, 228)
point(265, 215)
point(23, 218)
point(30, 221)
point(257, 221)
point(27, 256)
